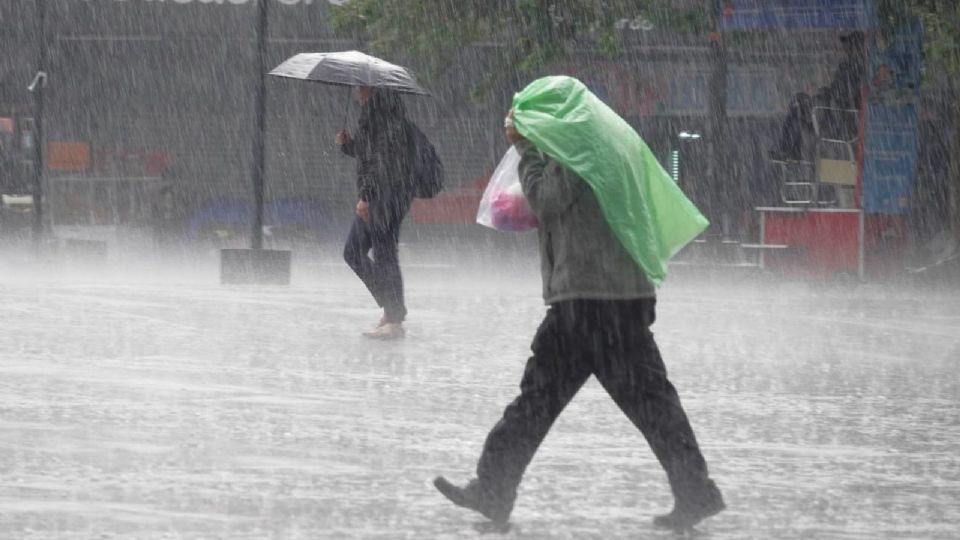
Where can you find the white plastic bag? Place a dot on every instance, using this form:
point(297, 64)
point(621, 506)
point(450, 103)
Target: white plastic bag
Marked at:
point(503, 206)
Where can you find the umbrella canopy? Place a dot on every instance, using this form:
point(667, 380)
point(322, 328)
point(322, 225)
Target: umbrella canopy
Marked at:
point(349, 68)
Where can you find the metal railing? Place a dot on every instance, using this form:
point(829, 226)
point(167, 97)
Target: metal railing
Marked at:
point(833, 170)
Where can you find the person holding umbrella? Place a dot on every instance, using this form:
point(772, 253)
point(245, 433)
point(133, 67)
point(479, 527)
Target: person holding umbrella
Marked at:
point(389, 151)
point(380, 147)
point(609, 217)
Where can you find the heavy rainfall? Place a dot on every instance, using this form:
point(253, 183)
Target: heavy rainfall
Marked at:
point(337, 269)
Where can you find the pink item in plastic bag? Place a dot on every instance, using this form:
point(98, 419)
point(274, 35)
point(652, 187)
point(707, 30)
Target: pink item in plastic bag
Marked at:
point(503, 206)
point(511, 212)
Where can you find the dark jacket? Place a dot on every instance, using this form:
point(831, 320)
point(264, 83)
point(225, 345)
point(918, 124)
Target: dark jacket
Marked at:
point(380, 146)
point(580, 258)
point(844, 89)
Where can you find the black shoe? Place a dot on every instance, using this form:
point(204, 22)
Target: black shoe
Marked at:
point(687, 514)
point(474, 497)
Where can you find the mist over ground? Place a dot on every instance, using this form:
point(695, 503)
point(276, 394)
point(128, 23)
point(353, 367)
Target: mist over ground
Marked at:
point(162, 405)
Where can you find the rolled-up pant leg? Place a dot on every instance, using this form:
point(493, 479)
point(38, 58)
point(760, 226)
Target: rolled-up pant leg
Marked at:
point(386, 261)
point(381, 273)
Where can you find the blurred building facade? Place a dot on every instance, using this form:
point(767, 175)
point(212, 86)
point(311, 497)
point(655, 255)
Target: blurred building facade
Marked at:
point(165, 88)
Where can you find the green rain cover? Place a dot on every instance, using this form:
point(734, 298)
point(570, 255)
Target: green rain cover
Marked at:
point(647, 211)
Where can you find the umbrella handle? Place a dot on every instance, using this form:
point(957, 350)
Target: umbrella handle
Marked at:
point(347, 113)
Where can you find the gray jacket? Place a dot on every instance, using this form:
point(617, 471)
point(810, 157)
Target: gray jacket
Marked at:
point(580, 257)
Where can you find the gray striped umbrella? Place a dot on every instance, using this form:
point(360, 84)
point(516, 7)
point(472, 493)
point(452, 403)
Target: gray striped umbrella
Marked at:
point(349, 68)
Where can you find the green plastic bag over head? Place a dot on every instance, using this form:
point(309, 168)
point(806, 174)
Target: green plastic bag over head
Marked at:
point(646, 209)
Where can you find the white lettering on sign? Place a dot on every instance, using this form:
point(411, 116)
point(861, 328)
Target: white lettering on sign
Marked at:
point(224, 2)
point(638, 23)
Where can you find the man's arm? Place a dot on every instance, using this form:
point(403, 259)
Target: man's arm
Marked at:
point(550, 189)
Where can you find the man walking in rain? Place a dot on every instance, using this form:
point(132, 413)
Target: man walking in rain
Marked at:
point(384, 194)
point(395, 163)
point(601, 302)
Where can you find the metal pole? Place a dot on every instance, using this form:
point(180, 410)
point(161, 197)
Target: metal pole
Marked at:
point(37, 86)
point(717, 123)
point(256, 239)
point(861, 244)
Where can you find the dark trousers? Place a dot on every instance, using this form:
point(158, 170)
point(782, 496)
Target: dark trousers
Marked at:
point(381, 273)
point(612, 341)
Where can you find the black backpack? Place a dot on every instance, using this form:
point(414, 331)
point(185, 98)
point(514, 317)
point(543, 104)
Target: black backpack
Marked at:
point(426, 171)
